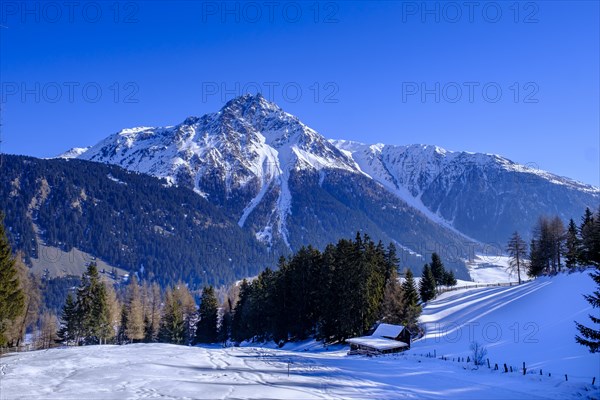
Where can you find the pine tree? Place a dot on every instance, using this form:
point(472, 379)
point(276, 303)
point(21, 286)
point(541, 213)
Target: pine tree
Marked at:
point(12, 298)
point(427, 286)
point(134, 329)
point(412, 309)
point(68, 332)
point(590, 337)
point(206, 331)
point(517, 249)
point(437, 269)
point(573, 246)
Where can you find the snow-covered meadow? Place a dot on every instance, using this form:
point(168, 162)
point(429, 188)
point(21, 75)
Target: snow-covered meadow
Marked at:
point(169, 371)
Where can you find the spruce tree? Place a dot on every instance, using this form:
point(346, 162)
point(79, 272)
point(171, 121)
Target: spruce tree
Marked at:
point(517, 249)
point(437, 269)
point(239, 325)
point(391, 262)
point(573, 246)
point(586, 230)
point(590, 337)
point(12, 298)
point(224, 331)
point(172, 327)
point(449, 278)
point(427, 286)
point(536, 264)
point(412, 309)
point(68, 332)
point(206, 331)
point(92, 307)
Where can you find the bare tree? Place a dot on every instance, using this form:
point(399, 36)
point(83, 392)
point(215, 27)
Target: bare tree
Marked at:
point(47, 333)
point(517, 248)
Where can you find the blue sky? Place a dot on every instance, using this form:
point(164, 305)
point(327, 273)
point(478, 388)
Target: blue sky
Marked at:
point(517, 79)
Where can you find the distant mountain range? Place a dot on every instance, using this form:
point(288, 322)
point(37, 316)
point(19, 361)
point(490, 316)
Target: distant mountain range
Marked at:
point(285, 185)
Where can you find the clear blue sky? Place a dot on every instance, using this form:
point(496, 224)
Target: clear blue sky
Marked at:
point(361, 69)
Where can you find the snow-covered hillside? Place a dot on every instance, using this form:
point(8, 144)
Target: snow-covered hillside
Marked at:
point(541, 313)
point(531, 323)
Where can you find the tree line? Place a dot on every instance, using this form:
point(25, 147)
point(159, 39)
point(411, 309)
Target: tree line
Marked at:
point(330, 295)
point(554, 247)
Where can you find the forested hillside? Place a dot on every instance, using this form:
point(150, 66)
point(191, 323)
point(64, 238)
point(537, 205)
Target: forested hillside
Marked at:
point(130, 220)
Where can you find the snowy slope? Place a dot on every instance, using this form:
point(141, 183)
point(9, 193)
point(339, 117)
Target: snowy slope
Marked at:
point(531, 323)
point(144, 371)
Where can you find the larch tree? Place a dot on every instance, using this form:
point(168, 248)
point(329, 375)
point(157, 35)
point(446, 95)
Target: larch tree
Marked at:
point(517, 250)
point(47, 330)
point(153, 310)
point(114, 311)
point(392, 308)
point(134, 329)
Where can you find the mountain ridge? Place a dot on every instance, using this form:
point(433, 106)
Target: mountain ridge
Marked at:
point(249, 149)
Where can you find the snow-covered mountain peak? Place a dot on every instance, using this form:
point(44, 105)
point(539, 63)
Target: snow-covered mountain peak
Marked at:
point(74, 152)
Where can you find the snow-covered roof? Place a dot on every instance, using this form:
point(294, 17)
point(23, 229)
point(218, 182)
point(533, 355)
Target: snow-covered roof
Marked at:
point(382, 338)
point(378, 343)
point(388, 330)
